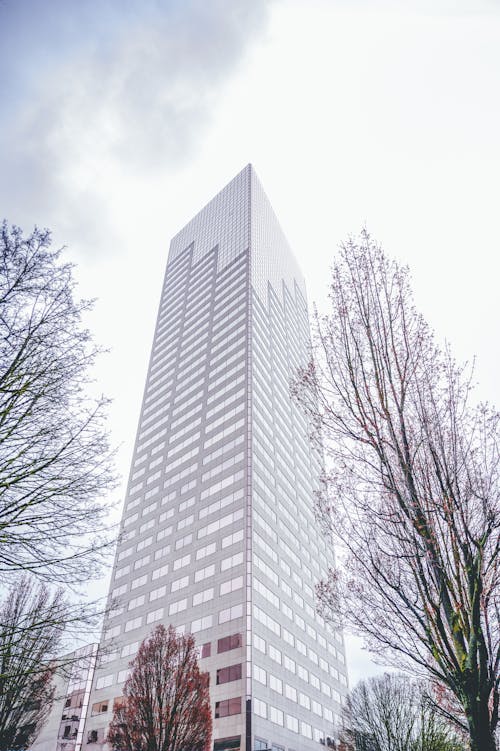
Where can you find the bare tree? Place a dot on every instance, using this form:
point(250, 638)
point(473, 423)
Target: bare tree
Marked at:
point(55, 463)
point(393, 713)
point(31, 628)
point(412, 487)
point(166, 699)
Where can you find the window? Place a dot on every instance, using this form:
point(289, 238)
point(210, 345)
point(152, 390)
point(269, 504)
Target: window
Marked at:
point(305, 729)
point(229, 642)
point(92, 736)
point(105, 681)
point(302, 673)
point(231, 586)
point(125, 553)
point(185, 522)
point(139, 582)
point(116, 611)
point(123, 571)
point(259, 674)
point(227, 744)
point(276, 684)
point(260, 708)
point(159, 572)
point(259, 643)
point(265, 591)
point(292, 723)
point(319, 735)
point(288, 637)
point(155, 594)
point(100, 707)
point(275, 654)
point(232, 539)
point(163, 532)
point(206, 650)
point(304, 700)
point(313, 656)
point(271, 624)
point(144, 543)
point(289, 664)
point(110, 633)
point(181, 562)
point(179, 584)
point(228, 707)
point(316, 708)
point(201, 623)
point(276, 715)
point(130, 649)
point(183, 542)
point(207, 550)
point(229, 614)
point(155, 615)
point(290, 692)
point(204, 573)
point(162, 552)
point(201, 597)
point(231, 673)
point(177, 607)
point(142, 562)
point(133, 623)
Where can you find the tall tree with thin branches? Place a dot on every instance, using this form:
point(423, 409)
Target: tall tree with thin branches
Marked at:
point(411, 490)
point(392, 712)
point(31, 628)
point(55, 462)
point(166, 704)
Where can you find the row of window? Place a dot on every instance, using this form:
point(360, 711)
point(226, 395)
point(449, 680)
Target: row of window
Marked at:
point(290, 692)
point(284, 720)
point(198, 575)
point(185, 421)
point(199, 554)
point(308, 676)
point(187, 455)
point(272, 495)
point(226, 615)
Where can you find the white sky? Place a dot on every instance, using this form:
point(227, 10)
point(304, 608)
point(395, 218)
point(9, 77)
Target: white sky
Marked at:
point(122, 119)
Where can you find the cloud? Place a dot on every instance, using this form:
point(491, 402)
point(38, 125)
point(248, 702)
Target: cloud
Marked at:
point(100, 90)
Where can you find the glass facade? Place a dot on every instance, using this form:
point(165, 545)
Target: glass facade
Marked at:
point(218, 533)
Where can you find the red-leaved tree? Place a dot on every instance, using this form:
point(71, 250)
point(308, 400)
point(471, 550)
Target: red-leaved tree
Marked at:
point(166, 704)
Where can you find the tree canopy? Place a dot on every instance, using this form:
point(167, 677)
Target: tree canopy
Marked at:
point(166, 703)
point(391, 712)
point(31, 627)
point(55, 462)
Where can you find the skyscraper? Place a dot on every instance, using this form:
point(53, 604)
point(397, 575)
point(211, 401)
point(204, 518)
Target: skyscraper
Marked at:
point(219, 536)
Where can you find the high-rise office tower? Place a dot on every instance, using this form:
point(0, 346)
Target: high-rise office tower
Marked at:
point(219, 536)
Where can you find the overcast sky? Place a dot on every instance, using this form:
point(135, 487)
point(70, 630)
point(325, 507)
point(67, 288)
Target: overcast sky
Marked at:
point(120, 119)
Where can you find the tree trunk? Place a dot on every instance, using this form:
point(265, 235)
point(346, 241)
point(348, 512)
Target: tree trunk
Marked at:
point(482, 740)
point(481, 736)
